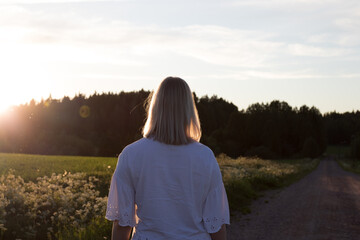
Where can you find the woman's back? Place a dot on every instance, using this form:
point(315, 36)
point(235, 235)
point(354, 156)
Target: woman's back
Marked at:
point(168, 185)
point(172, 189)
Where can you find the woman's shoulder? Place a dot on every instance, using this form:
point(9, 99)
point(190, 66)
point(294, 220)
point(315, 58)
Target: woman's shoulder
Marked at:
point(150, 145)
point(137, 145)
point(201, 148)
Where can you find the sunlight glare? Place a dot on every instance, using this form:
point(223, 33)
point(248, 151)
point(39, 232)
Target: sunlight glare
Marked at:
point(3, 108)
point(23, 75)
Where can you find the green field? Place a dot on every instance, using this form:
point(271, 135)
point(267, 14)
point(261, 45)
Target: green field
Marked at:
point(64, 197)
point(352, 165)
point(29, 167)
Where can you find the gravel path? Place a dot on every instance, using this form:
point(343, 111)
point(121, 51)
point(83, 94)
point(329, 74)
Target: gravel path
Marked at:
point(325, 205)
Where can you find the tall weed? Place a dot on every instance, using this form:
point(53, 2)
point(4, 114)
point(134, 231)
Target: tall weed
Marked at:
point(62, 206)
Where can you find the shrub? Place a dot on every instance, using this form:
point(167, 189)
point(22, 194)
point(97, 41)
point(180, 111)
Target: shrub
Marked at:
point(240, 193)
point(63, 204)
point(355, 147)
point(261, 152)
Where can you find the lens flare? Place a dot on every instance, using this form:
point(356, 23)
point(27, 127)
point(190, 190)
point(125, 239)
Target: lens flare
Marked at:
point(84, 111)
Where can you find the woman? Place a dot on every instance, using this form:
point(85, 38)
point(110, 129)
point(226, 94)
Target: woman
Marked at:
point(168, 185)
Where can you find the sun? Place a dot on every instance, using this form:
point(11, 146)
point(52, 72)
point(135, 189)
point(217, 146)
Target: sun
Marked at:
point(20, 88)
point(14, 89)
point(10, 95)
point(24, 75)
point(17, 91)
point(4, 108)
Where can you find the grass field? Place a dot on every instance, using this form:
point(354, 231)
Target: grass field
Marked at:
point(29, 167)
point(352, 165)
point(64, 197)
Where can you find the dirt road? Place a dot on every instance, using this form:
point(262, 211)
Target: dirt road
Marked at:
point(325, 205)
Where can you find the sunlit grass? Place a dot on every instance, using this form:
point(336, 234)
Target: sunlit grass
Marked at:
point(30, 167)
point(245, 178)
point(249, 167)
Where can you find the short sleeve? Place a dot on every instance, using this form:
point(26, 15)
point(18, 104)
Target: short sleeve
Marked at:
point(216, 206)
point(121, 199)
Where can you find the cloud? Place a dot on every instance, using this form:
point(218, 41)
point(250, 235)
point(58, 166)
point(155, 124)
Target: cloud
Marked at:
point(349, 40)
point(311, 51)
point(320, 38)
point(351, 24)
point(224, 46)
point(121, 39)
point(14, 2)
point(226, 52)
point(289, 4)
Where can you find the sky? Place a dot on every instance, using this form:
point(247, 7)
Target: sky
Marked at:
point(304, 52)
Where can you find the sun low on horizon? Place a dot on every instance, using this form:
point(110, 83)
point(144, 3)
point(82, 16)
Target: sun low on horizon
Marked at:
point(23, 76)
point(300, 52)
point(273, 121)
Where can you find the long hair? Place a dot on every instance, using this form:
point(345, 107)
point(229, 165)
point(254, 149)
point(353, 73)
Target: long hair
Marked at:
point(172, 117)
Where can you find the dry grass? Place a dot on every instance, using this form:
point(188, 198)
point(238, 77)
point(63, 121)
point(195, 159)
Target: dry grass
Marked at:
point(245, 178)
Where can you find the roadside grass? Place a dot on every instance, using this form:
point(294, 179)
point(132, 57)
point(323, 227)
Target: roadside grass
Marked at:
point(348, 164)
point(339, 151)
point(246, 178)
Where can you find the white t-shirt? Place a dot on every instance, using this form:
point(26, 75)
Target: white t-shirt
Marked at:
point(168, 191)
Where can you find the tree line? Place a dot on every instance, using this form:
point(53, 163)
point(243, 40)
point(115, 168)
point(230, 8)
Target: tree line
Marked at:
point(103, 124)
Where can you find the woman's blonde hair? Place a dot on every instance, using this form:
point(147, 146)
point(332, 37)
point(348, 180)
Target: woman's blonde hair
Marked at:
point(172, 117)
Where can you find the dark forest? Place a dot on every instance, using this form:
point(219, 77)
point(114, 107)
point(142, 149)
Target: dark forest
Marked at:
point(103, 124)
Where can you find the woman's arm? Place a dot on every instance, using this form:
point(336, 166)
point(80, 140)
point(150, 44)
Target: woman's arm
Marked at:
point(220, 235)
point(120, 232)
